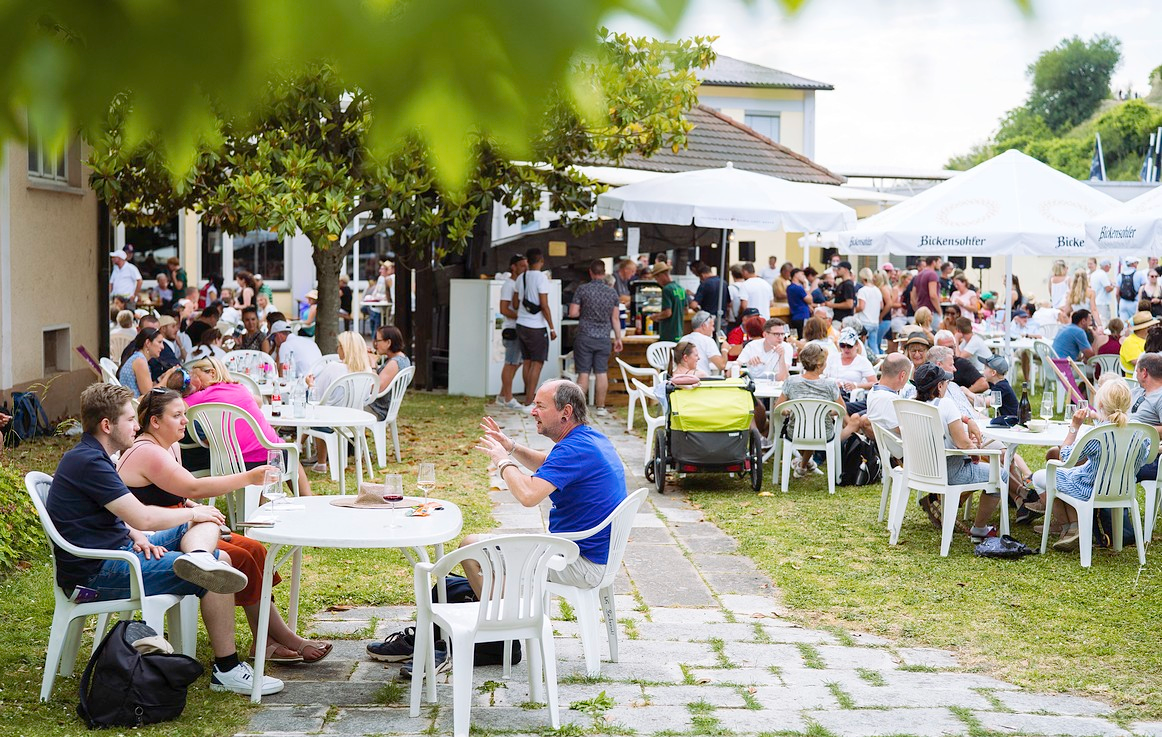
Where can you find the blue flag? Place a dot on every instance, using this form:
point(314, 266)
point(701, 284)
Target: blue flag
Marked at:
point(1097, 166)
point(1146, 175)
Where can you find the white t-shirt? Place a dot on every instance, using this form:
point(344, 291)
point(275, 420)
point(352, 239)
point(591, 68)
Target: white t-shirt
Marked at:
point(827, 345)
point(770, 359)
point(856, 372)
point(706, 348)
point(770, 274)
point(949, 413)
point(300, 351)
point(758, 294)
point(123, 280)
point(1098, 281)
point(873, 302)
point(735, 293)
point(506, 291)
point(531, 283)
point(976, 347)
point(329, 374)
point(881, 408)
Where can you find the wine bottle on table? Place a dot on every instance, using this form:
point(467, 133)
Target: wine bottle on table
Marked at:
point(1024, 409)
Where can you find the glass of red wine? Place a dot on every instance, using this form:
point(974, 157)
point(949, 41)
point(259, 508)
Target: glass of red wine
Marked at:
point(393, 493)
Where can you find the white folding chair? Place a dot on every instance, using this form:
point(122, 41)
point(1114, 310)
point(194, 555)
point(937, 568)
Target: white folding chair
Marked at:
point(354, 391)
point(64, 638)
point(512, 607)
point(889, 446)
point(659, 355)
point(214, 425)
point(1115, 486)
point(926, 470)
point(809, 432)
point(396, 388)
point(109, 371)
point(652, 422)
point(586, 602)
point(636, 395)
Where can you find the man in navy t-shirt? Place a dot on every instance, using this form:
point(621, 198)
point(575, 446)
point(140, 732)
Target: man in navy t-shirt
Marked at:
point(582, 475)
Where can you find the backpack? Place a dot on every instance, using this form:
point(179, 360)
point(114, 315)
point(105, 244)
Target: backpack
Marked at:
point(859, 462)
point(28, 416)
point(486, 653)
point(11, 439)
point(1126, 289)
point(122, 687)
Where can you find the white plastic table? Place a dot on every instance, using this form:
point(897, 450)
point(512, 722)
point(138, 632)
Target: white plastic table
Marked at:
point(337, 418)
point(1014, 436)
point(312, 521)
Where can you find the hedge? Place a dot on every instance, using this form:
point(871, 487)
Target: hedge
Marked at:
point(21, 536)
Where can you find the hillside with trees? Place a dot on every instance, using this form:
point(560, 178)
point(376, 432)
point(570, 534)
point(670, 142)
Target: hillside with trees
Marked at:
point(1069, 102)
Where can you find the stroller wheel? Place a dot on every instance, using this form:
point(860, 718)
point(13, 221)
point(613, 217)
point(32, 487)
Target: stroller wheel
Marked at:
point(756, 462)
point(659, 462)
point(650, 470)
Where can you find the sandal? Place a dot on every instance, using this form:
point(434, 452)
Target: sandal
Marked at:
point(278, 653)
point(319, 468)
point(318, 650)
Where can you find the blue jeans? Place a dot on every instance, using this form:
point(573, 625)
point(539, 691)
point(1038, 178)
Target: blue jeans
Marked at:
point(112, 581)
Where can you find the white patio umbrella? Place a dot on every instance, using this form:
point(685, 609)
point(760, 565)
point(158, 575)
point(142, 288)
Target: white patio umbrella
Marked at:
point(1130, 227)
point(726, 198)
point(1010, 204)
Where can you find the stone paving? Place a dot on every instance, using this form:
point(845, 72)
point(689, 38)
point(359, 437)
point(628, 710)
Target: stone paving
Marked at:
point(704, 650)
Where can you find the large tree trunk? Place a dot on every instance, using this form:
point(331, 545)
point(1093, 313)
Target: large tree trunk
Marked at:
point(328, 261)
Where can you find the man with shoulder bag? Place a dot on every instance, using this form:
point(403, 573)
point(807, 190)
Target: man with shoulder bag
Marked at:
point(517, 265)
point(534, 320)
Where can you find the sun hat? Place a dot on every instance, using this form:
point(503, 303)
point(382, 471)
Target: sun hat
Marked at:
point(659, 268)
point(928, 375)
point(119, 253)
point(918, 338)
point(280, 326)
point(700, 319)
point(313, 294)
point(370, 497)
point(166, 320)
point(888, 267)
point(1142, 320)
point(998, 364)
point(848, 337)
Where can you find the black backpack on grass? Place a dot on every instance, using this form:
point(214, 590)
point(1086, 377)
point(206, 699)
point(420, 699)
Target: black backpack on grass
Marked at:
point(859, 462)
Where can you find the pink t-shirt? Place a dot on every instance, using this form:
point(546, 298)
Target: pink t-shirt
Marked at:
point(239, 396)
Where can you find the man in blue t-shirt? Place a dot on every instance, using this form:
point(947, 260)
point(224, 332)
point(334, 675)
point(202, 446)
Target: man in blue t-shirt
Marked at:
point(1071, 340)
point(92, 508)
point(582, 475)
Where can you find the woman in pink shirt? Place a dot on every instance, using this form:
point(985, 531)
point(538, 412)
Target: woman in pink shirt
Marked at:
point(211, 382)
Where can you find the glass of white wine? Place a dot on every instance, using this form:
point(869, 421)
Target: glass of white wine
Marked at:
point(426, 479)
point(1047, 408)
point(272, 489)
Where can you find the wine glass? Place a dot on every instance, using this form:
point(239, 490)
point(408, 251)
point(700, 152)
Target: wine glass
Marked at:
point(1070, 411)
point(426, 479)
point(272, 488)
point(1083, 406)
point(275, 458)
point(1047, 408)
point(393, 493)
point(996, 400)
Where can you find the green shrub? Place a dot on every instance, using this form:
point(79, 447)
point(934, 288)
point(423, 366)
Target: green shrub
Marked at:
point(21, 537)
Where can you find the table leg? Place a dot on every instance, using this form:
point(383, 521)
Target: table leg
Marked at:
point(296, 575)
point(264, 605)
point(357, 436)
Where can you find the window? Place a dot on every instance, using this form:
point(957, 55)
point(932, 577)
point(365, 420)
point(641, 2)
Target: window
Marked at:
point(766, 124)
point(259, 252)
point(152, 246)
point(41, 163)
point(56, 349)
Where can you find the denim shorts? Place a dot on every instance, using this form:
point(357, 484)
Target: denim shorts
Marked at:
point(512, 352)
point(112, 581)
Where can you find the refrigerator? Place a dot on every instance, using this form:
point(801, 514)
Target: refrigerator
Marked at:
point(475, 347)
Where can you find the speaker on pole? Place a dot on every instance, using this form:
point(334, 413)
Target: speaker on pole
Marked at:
point(959, 262)
point(982, 262)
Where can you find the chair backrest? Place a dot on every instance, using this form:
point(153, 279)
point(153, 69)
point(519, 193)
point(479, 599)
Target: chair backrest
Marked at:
point(214, 425)
point(397, 388)
point(810, 418)
point(1043, 351)
point(515, 570)
point(240, 360)
point(1119, 449)
point(109, 371)
point(250, 384)
point(659, 354)
point(327, 358)
point(1110, 362)
point(627, 371)
point(888, 444)
point(650, 394)
point(620, 522)
point(117, 343)
point(354, 390)
point(925, 461)
point(1050, 330)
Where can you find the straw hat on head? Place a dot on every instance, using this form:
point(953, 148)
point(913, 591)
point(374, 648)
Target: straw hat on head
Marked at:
point(660, 267)
point(1142, 321)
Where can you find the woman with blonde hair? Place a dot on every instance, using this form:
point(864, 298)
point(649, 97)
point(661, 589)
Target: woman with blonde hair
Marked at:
point(869, 307)
point(210, 381)
point(353, 358)
point(1059, 285)
point(923, 318)
point(1081, 297)
point(1112, 407)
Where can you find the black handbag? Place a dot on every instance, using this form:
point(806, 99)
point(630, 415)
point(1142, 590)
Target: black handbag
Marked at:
point(122, 687)
point(533, 308)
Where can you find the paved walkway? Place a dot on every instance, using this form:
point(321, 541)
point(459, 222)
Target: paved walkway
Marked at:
point(703, 650)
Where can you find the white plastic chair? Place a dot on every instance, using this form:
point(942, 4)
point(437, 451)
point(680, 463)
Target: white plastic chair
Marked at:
point(64, 639)
point(109, 371)
point(659, 355)
point(512, 607)
point(587, 602)
point(250, 384)
point(397, 388)
point(1115, 485)
point(1153, 504)
point(1110, 362)
point(118, 342)
point(327, 358)
point(652, 422)
point(636, 395)
point(353, 391)
point(809, 432)
point(889, 446)
point(214, 425)
point(926, 470)
point(1045, 354)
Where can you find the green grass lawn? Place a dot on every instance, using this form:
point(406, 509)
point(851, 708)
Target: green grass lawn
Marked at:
point(433, 427)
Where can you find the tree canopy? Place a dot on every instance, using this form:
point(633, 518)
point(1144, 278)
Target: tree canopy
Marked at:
point(1071, 79)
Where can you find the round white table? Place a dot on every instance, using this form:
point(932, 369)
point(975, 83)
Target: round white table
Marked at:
point(1011, 437)
point(337, 418)
point(312, 521)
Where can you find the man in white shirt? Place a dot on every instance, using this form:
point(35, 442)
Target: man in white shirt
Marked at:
point(534, 328)
point(702, 336)
point(771, 355)
point(296, 350)
point(1103, 287)
point(758, 293)
point(772, 271)
point(969, 344)
point(512, 359)
point(880, 400)
point(124, 279)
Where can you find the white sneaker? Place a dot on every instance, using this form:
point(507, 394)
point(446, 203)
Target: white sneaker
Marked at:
point(240, 680)
point(798, 470)
point(601, 412)
point(500, 401)
point(514, 403)
point(529, 408)
point(203, 569)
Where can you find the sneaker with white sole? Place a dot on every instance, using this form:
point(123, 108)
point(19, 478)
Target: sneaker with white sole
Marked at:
point(240, 680)
point(514, 403)
point(601, 412)
point(397, 648)
point(203, 569)
point(443, 662)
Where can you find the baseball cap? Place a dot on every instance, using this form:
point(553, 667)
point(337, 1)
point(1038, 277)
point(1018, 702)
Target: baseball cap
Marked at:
point(1105, 262)
point(844, 265)
point(749, 311)
point(1020, 313)
point(119, 253)
point(1130, 260)
point(888, 267)
point(513, 260)
point(928, 375)
point(280, 326)
point(848, 337)
point(998, 364)
point(700, 319)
